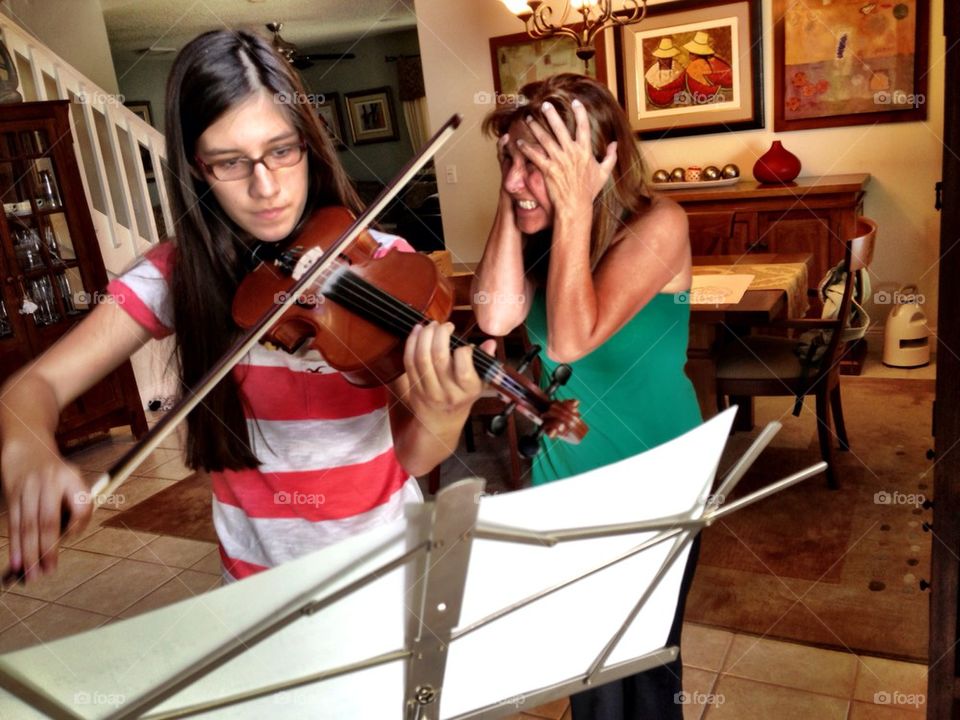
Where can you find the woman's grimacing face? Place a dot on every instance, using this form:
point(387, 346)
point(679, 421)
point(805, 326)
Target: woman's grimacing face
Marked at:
point(524, 183)
point(269, 203)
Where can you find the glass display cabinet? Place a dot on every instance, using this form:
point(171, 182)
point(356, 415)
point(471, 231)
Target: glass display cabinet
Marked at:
point(51, 269)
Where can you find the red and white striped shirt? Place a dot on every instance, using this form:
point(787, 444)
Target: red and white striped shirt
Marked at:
point(328, 467)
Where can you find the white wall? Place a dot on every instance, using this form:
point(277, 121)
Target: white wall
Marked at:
point(76, 32)
point(903, 159)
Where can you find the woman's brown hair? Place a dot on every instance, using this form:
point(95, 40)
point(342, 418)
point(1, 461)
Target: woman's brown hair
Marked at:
point(624, 197)
point(213, 73)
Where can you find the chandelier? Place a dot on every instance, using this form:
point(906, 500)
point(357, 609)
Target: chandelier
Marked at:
point(596, 16)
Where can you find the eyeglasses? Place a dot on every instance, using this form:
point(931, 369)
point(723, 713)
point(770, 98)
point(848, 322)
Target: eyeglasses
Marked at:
point(241, 168)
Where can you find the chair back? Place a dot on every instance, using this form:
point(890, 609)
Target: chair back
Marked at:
point(857, 254)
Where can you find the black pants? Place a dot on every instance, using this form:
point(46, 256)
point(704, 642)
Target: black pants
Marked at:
point(650, 695)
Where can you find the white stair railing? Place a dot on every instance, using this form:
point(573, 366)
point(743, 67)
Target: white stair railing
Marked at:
point(107, 141)
point(108, 138)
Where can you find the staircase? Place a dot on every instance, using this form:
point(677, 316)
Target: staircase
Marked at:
point(126, 200)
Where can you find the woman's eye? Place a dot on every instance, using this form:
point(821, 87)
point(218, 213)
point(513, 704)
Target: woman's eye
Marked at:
point(227, 164)
point(281, 151)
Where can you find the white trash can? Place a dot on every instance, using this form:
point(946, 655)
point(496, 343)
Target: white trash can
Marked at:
point(906, 338)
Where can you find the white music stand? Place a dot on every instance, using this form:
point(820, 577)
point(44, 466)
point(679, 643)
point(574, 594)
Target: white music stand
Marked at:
point(470, 607)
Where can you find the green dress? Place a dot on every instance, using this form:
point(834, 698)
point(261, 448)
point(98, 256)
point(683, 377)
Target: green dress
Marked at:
point(633, 392)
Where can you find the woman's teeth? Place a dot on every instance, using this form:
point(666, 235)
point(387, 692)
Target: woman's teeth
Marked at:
point(527, 204)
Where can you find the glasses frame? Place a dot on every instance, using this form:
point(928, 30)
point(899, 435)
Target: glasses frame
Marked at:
point(208, 168)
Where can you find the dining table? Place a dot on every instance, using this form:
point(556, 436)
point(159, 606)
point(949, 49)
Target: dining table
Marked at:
point(778, 290)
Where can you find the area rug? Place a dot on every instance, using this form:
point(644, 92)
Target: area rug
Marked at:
point(182, 510)
point(833, 568)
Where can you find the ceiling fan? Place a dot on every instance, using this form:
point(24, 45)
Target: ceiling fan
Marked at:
point(299, 60)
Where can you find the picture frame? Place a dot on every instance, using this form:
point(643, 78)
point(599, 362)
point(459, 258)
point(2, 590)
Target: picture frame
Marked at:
point(371, 116)
point(692, 67)
point(141, 108)
point(833, 65)
point(518, 59)
point(331, 118)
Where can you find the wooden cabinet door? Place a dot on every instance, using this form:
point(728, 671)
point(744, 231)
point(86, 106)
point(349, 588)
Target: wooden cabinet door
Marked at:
point(802, 231)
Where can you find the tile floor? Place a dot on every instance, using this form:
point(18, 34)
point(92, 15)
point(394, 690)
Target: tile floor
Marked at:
point(110, 573)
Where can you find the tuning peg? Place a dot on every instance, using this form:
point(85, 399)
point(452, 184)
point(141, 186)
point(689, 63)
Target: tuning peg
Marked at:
point(927, 504)
point(528, 358)
point(927, 527)
point(924, 585)
point(529, 445)
point(560, 376)
point(499, 422)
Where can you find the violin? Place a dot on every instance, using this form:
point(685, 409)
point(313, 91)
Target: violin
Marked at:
point(331, 263)
point(359, 312)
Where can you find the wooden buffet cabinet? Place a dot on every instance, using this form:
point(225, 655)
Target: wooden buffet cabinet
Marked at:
point(51, 270)
point(810, 215)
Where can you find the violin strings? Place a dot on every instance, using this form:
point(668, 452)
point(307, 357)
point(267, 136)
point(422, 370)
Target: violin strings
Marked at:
point(355, 289)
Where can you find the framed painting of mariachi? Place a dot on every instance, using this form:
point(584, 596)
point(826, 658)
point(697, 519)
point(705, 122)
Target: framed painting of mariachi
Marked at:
point(692, 67)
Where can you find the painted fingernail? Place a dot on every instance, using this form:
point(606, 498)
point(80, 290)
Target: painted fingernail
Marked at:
point(529, 119)
point(547, 106)
point(576, 103)
point(520, 142)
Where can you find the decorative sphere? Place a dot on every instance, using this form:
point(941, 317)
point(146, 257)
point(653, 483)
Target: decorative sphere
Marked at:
point(731, 171)
point(678, 175)
point(661, 176)
point(711, 172)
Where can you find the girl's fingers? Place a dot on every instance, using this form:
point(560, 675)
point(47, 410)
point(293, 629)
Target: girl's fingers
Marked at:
point(51, 500)
point(425, 381)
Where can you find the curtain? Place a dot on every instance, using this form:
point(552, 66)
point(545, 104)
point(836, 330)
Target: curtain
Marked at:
point(413, 99)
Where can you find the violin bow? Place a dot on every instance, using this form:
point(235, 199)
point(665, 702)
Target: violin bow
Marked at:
point(108, 483)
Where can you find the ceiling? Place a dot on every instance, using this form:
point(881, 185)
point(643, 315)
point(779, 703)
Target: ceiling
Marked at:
point(133, 25)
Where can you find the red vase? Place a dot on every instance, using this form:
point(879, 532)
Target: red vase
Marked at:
point(777, 165)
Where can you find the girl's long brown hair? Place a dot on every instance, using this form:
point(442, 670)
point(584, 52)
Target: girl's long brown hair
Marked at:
point(212, 74)
point(623, 198)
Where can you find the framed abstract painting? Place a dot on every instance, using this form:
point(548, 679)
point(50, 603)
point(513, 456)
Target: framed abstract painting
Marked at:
point(849, 62)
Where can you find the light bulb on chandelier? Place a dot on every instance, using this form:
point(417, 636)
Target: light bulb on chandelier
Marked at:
point(595, 17)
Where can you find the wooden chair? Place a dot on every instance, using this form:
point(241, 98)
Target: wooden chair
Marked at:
point(764, 365)
point(490, 404)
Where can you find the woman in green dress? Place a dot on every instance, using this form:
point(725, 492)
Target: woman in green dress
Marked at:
point(596, 268)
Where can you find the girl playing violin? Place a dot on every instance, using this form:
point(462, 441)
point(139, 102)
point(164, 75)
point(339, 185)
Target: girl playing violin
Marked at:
point(298, 457)
point(597, 263)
